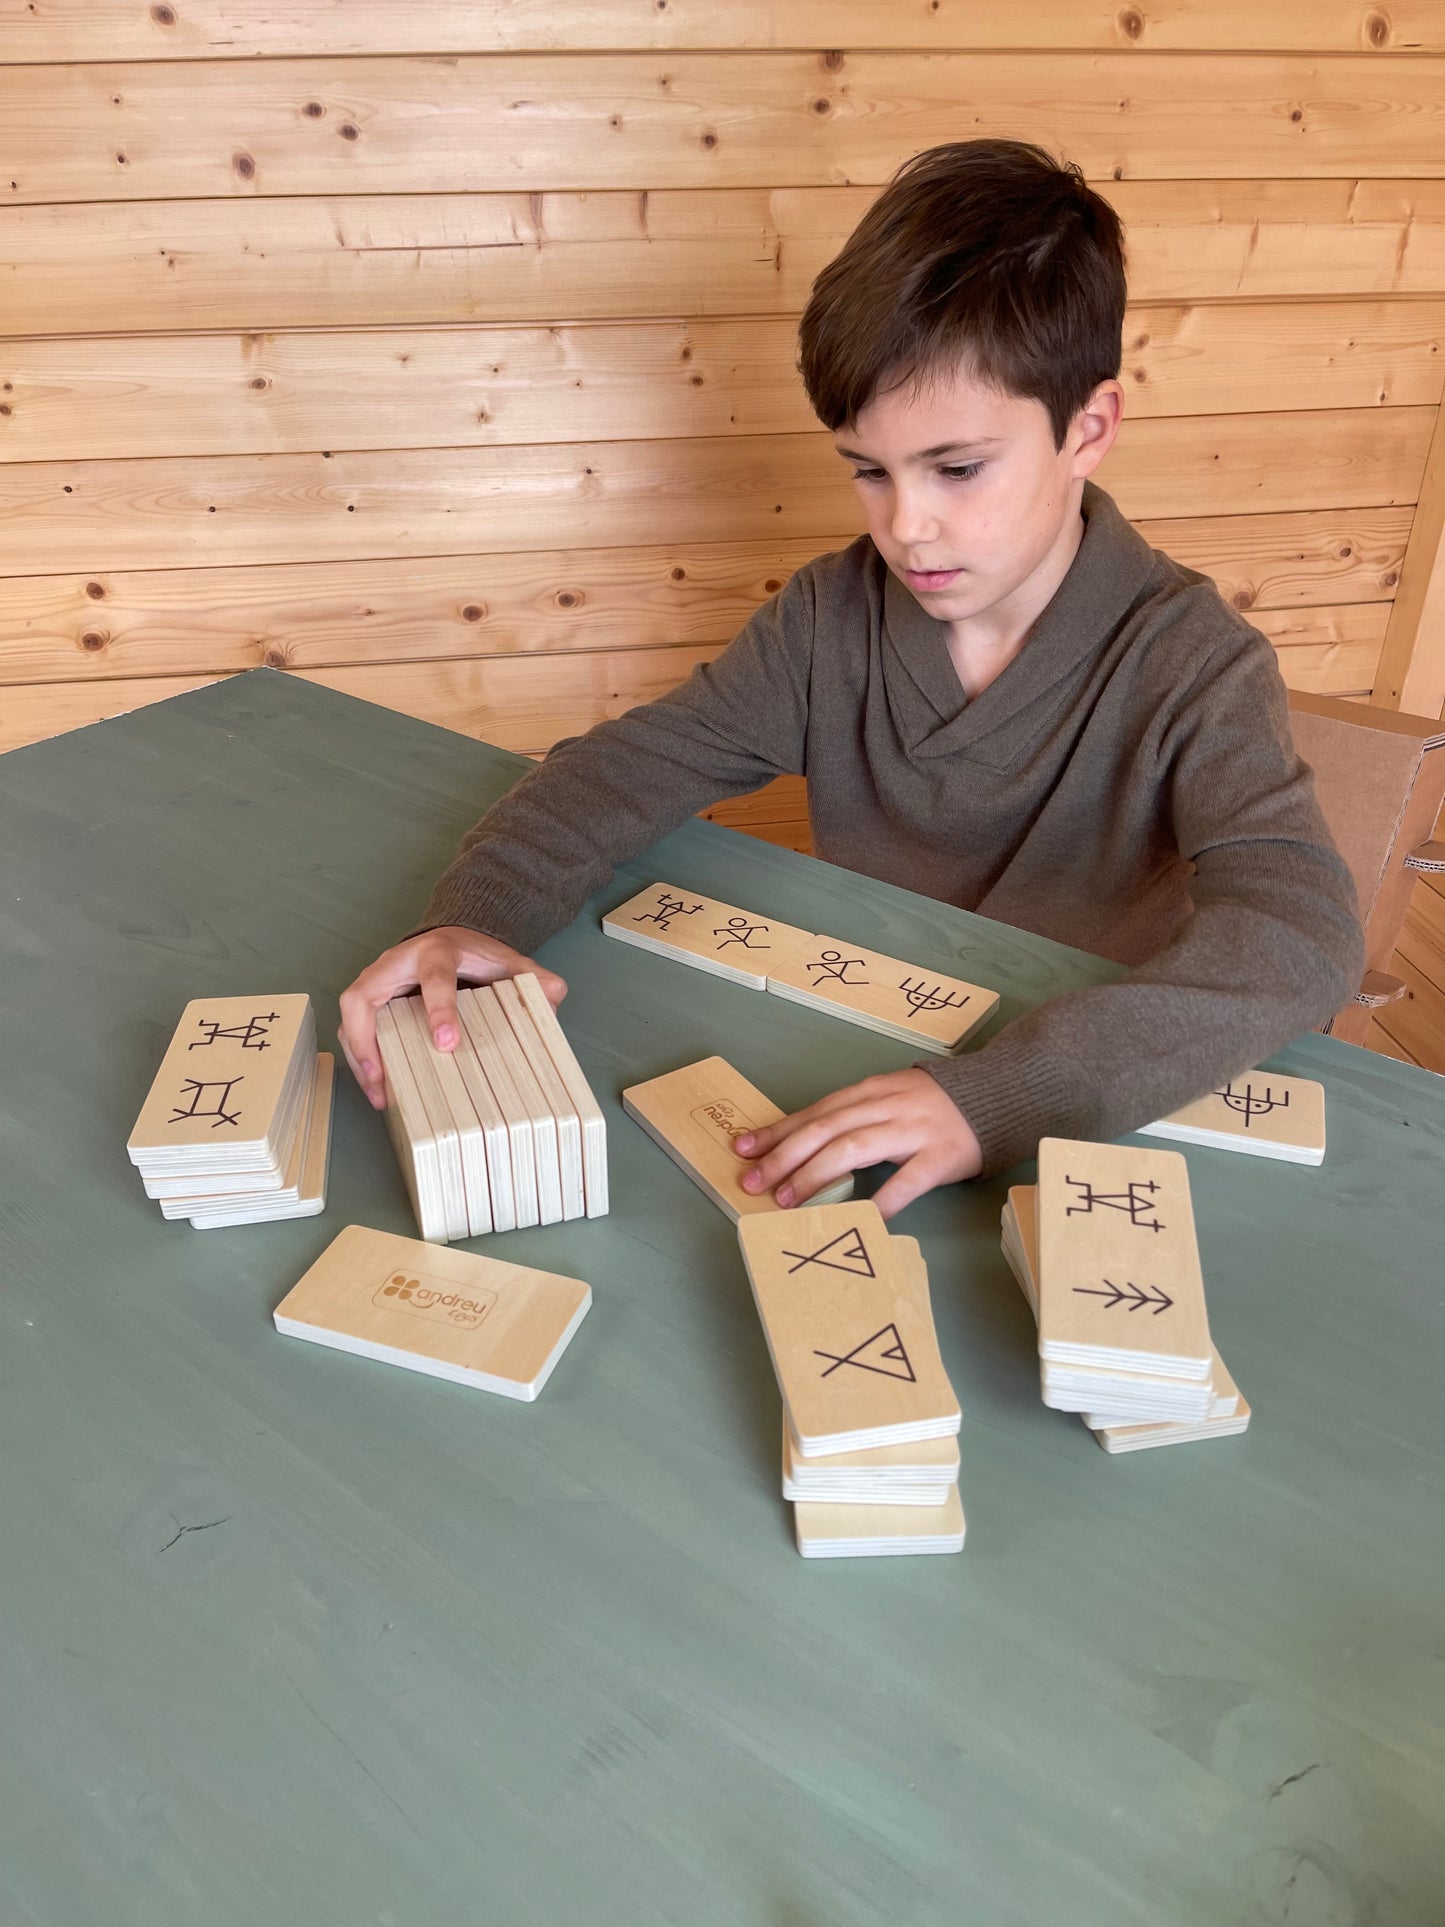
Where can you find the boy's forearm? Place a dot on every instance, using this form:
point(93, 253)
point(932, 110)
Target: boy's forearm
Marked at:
point(530, 864)
point(1266, 956)
point(527, 868)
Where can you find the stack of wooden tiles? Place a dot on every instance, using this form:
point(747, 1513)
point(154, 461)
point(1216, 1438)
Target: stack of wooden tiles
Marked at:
point(1104, 1249)
point(236, 1127)
point(870, 1454)
point(501, 1133)
point(925, 1009)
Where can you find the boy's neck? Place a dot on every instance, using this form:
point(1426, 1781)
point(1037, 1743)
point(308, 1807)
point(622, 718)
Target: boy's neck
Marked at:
point(982, 647)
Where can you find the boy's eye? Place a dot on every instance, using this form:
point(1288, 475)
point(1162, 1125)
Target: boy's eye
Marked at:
point(965, 473)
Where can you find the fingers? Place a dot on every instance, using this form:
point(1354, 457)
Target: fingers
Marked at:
point(757, 1144)
point(908, 1182)
point(373, 1083)
point(438, 987)
point(432, 964)
point(839, 1158)
point(824, 1148)
point(357, 1037)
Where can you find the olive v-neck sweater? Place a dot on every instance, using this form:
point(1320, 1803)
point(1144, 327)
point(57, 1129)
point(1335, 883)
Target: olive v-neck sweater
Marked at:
point(1127, 784)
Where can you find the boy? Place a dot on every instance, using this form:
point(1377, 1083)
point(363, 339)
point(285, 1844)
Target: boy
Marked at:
point(1001, 696)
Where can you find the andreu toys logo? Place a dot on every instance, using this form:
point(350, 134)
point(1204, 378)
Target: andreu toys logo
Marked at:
point(444, 1305)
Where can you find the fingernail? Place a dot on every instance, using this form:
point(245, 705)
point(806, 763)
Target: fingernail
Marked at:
point(368, 1069)
point(785, 1195)
point(743, 1142)
point(446, 1038)
point(752, 1181)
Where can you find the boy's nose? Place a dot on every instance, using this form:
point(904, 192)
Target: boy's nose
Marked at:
point(912, 525)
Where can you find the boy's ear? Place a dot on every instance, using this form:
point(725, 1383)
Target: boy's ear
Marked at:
point(1092, 431)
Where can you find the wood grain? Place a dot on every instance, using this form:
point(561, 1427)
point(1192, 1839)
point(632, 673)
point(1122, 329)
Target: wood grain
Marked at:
point(89, 397)
point(400, 259)
point(76, 30)
point(402, 125)
point(1412, 663)
point(57, 516)
point(108, 622)
point(502, 699)
point(1417, 1021)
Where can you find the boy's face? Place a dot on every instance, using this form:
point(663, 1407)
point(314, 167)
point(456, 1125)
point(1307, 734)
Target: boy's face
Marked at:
point(967, 498)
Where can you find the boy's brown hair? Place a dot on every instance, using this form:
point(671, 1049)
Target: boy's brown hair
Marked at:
point(988, 254)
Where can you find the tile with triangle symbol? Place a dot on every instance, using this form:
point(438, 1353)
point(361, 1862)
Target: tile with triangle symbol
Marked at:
point(850, 1332)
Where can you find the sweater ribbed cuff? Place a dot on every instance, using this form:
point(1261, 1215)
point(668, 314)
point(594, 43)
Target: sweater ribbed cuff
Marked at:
point(1010, 1097)
point(517, 920)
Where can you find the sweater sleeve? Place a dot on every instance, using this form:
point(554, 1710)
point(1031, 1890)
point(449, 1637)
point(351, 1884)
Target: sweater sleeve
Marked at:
point(532, 861)
point(1273, 946)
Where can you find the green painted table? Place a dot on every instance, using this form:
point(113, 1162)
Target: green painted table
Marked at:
point(290, 1637)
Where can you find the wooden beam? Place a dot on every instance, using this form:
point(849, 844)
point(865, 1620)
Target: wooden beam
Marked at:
point(57, 517)
point(73, 30)
point(588, 121)
point(165, 266)
point(97, 396)
point(1412, 663)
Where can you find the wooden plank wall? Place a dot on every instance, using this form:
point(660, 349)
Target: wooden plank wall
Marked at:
point(443, 352)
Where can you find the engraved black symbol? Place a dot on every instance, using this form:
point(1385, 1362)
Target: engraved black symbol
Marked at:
point(921, 998)
point(739, 930)
point(1129, 1295)
point(1250, 1105)
point(195, 1086)
point(667, 909)
point(833, 964)
point(1134, 1200)
point(850, 1255)
point(891, 1362)
point(250, 1036)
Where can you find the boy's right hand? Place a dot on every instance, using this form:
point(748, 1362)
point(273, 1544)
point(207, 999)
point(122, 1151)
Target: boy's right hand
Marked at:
point(432, 963)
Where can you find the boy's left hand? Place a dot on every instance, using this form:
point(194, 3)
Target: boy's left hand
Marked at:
point(904, 1118)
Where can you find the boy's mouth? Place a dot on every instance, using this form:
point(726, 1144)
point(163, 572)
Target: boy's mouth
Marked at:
point(931, 578)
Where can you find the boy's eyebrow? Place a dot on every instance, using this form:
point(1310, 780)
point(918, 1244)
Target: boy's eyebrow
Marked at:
point(927, 454)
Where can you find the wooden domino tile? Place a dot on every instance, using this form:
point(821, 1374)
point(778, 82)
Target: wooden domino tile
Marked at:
point(922, 1007)
point(694, 1114)
point(1119, 1278)
point(852, 1342)
point(698, 930)
point(1259, 1113)
point(450, 1314)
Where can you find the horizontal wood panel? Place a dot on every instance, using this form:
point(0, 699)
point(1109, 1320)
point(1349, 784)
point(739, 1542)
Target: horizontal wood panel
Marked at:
point(1422, 941)
point(402, 125)
point(503, 699)
point(777, 813)
point(226, 29)
point(57, 517)
point(414, 258)
point(93, 397)
point(171, 621)
point(31, 714)
point(1378, 1038)
point(1417, 1021)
